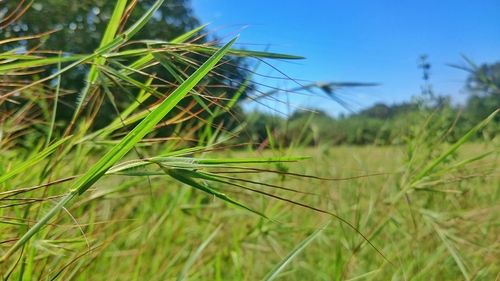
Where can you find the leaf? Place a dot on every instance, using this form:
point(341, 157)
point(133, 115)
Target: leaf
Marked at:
point(189, 263)
point(32, 161)
point(25, 64)
point(295, 252)
point(184, 177)
point(245, 53)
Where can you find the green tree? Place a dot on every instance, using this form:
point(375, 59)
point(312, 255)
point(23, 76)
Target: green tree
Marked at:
point(484, 80)
point(483, 84)
point(80, 24)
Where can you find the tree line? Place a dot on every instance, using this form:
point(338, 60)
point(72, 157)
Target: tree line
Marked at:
point(383, 124)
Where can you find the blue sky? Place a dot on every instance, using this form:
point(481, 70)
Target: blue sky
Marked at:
point(365, 41)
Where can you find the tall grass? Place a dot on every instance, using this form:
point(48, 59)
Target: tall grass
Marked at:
point(123, 202)
point(101, 73)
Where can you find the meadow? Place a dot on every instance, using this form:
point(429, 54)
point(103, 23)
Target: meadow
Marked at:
point(139, 174)
point(156, 229)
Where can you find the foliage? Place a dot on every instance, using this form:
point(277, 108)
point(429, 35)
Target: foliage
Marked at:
point(383, 124)
point(485, 79)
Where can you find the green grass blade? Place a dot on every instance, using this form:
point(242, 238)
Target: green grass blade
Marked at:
point(25, 64)
point(188, 35)
point(184, 176)
point(32, 161)
point(244, 53)
point(139, 63)
point(190, 162)
point(142, 97)
point(300, 247)
point(114, 22)
point(189, 263)
point(138, 25)
point(453, 252)
point(262, 160)
point(56, 100)
point(170, 67)
point(132, 81)
point(109, 35)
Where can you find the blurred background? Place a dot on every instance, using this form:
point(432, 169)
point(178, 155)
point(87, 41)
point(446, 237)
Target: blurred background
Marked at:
point(366, 41)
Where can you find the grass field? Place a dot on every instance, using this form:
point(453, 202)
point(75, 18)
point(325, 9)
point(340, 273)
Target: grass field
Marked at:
point(135, 177)
point(130, 228)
